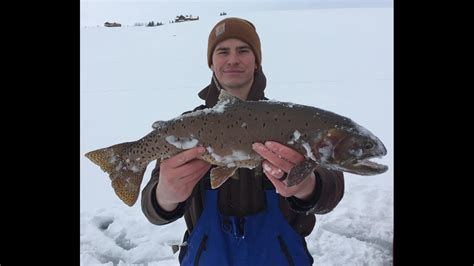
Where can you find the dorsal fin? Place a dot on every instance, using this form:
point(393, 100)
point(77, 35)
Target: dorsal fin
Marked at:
point(224, 95)
point(158, 124)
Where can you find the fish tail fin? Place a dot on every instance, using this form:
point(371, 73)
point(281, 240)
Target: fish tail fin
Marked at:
point(125, 181)
point(108, 158)
point(127, 186)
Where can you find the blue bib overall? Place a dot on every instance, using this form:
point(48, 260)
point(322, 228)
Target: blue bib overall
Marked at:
point(265, 238)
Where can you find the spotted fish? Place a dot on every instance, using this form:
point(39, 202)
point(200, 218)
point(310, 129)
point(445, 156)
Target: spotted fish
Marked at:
point(228, 131)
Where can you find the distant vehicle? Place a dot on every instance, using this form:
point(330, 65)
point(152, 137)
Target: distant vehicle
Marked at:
point(112, 24)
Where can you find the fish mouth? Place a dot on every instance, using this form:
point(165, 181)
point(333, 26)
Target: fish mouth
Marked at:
point(364, 166)
point(368, 167)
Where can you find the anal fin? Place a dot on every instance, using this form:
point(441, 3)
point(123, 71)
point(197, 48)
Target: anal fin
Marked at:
point(220, 174)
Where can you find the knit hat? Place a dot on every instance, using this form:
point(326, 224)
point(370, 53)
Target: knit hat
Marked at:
point(236, 28)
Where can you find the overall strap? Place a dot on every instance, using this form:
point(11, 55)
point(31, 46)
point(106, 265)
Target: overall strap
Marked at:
point(261, 239)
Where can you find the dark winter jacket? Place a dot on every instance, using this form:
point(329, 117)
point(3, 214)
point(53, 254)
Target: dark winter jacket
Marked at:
point(246, 196)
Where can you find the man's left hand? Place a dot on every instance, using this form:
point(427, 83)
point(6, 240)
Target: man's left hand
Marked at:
point(279, 159)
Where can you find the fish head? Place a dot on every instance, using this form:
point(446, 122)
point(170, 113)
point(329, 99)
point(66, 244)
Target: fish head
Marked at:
point(350, 150)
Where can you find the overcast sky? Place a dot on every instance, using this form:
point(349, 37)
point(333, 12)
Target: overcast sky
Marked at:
point(235, 1)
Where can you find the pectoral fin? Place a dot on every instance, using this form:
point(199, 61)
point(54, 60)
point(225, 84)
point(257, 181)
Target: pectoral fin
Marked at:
point(220, 174)
point(300, 172)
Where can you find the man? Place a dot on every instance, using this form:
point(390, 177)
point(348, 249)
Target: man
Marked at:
point(254, 219)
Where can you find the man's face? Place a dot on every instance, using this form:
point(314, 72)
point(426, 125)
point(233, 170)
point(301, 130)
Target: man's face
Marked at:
point(233, 62)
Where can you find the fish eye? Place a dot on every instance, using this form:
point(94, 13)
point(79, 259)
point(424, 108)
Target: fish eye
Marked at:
point(369, 145)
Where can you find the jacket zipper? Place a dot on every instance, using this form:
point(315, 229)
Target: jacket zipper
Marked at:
point(285, 251)
point(202, 247)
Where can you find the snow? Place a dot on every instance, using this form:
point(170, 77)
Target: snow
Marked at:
point(221, 105)
point(309, 152)
point(295, 137)
point(229, 160)
point(336, 58)
point(217, 109)
point(182, 143)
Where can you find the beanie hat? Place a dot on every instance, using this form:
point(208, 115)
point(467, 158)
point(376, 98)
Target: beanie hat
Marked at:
point(236, 28)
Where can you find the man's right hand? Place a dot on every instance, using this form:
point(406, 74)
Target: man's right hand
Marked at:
point(178, 176)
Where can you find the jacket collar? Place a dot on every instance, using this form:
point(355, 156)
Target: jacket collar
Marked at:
point(211, 92)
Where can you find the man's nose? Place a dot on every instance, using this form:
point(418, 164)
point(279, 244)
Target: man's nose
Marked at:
point(233, 58)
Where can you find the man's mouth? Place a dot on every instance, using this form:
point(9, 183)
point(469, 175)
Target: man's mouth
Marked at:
point(233, 71)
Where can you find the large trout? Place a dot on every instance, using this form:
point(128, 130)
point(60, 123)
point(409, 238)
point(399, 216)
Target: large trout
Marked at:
point(228, 131)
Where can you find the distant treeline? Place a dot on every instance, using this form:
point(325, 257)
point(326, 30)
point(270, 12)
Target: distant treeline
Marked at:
point(178, 19)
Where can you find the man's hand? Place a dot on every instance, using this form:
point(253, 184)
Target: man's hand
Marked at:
point(178, 176)
point(279, 159)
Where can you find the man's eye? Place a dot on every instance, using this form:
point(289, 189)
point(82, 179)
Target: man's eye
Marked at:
point(243, 51)
point(222, 52)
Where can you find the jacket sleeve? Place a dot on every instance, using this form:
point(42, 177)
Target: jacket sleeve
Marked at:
point(329, 190)
point(150, 207)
